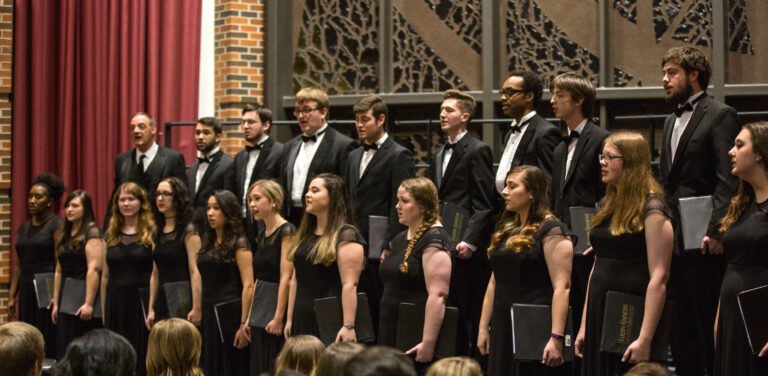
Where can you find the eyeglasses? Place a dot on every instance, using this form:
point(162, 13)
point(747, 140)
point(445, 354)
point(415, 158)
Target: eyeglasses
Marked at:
point(163, 194)
point(303, 111)
point(607, 158)
point(508, 92)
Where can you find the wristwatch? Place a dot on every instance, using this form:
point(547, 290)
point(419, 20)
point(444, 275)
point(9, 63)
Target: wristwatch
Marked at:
point(349, 326)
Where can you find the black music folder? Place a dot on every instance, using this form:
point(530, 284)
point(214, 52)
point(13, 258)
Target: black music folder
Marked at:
point(329, 315)
point(410, 329)
point(753, 305)
point(694, 220)
point(531, 329)
point(455, 220)
point(43, 283)
point(377, 235)
point(622, 321)
point(73, 296)
point(581, 225)
point(264, 304)
point(228, 319)
point(178, 296)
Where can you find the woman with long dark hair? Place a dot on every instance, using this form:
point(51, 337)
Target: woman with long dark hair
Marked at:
point(177, 244)
point(531, 257)
point(36, 253)
point(270, 264)
point(418, 269)
point(632, 239)
point(745, 228)
point(130, 242)
point(225, 264)
point(327, 257)
point(80, 256)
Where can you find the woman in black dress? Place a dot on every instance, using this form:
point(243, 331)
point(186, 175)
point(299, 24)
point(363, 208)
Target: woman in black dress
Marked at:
point(327, 257)
point(225, 264)
point(270, 264)
point(36, 253)
point(632, 239)
point(418, 269)
point(130, 241)
point(745, 228)
point(531, 255)
point(81, 257)
point(177, 244)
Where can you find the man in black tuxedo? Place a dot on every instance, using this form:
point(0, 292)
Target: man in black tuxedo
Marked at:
point(531, 139)
point(375, 171)
point(147, 163)
point(694, 162)
point(213, 169)
point(576, 177)
point(462, 170)
point(317, 150)
point(261, 159)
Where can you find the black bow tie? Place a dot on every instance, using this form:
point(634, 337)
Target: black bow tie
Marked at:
point(252, 148)
point(313, 138)
point(201, 160)
point(449, 146)
point(367, 147)
point(688, 107)
point(570, 137)
point(516, 128)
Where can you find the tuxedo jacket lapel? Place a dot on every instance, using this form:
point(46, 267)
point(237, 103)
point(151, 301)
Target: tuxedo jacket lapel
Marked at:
point(292, 154)
point(191, 177)
point(377, 157)
point(211, 168)
point(579, 150)
point(355, 160)
point(323, 150)
point(694, 122)
point(523, 145)
point(263, 154)
point(458, 153)
point(438, 168)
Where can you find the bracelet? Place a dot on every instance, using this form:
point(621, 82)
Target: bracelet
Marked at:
point(349, 326)
point(556, 336)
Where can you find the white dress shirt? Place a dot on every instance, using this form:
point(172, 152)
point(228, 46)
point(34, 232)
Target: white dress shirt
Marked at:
point(505, 164)
point(572, 146)
point(368, 154)
point(682, 122)
point(307, 152)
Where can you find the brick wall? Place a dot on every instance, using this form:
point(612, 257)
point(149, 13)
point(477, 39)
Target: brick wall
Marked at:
point(6, 46)
point(239, 62)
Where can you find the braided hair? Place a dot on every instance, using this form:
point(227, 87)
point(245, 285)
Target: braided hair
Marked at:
point(424, 194)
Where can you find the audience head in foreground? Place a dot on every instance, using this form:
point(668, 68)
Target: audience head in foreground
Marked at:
point(380, 361)
point(98, 352)
point(22, 349)
point(300, 353)
point(455, 366)
point(174, 349)
point(336, 357)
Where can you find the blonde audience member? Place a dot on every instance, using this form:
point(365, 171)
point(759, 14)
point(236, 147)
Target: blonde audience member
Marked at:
point(455, 366)
point(301, 354)
point(335, 358)
point(174, 349)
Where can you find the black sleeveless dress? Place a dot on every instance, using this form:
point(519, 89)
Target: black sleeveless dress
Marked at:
point(266, 267)
point(74, 264)
point(130, 266)
point(407, 287)
point(221, 283)
point(521, 278)
point(621, 265)
point(746, 248)
point(36, 253)
point(315, 281)
point(170, 257)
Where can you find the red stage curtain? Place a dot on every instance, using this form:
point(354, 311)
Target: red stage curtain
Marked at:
point(81, 68)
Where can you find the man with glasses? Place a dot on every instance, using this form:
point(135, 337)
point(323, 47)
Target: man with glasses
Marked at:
point(576, 177)
point(318, 149)
point(531, 139)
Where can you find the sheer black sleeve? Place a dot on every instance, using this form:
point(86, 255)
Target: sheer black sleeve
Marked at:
point(349, 233)
point(655, 204)
point(554, 227)
point(242, 242)
point(287, 229)
point(190, 230)
point(93, 232)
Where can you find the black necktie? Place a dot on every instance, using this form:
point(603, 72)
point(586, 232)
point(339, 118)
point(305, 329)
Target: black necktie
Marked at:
point(367, 147)
point(313, 138)
point(688, 107)
point(201, 160)
point(252, 148)
point(570, 137)
point(141, 162)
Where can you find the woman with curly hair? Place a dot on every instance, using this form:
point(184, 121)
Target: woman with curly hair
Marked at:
point(36, 253)
point(225, 264)
point(531, 256)
point(80, 256)
point(130, 242)
point(175, 256)
point(632, 239)
point(327, 257)
point(745, 235)
point(418, 269)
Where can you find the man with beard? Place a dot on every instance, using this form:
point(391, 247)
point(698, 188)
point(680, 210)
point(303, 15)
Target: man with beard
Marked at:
point(261, 158)
point(695, 162)
point(531, 139)
point(212, 170)
point(147, 163)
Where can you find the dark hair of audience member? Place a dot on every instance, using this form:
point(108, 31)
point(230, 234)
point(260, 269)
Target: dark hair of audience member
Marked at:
point(300, 353)
point(648, 369)
point(455, 366)
point(380, 361)
point(98, 352)
point(22, 349)
point(335, 358)
point(174, 349)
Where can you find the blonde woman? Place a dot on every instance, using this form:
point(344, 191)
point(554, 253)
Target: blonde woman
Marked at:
point(300, 354)
point(174, 349)
point(130, 242)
